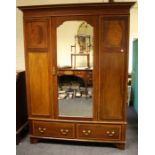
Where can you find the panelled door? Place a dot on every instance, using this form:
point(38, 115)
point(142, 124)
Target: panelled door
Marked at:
point(37, 64)
point(113, 67)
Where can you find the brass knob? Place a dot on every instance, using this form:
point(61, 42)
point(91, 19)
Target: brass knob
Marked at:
point(64, 131)
point(86, 132)
point(41, 130)
point(122, 50)
point(110, 133)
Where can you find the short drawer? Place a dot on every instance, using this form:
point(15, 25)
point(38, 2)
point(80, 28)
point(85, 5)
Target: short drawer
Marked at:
point(99, 132)
point(80, 73)
point(53, 129)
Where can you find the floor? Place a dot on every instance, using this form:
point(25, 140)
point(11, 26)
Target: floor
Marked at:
point(53, 147)
point(81, 106)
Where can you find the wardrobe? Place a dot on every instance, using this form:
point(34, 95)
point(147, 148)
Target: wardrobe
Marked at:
point(90, 111)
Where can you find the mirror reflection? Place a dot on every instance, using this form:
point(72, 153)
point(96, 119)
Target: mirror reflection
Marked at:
point(75, 69)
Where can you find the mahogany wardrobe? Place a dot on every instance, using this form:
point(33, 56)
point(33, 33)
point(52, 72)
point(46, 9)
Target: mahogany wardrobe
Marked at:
point(77, 103)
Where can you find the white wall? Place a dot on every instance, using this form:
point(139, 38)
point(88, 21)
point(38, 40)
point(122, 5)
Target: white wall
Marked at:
point(20, 64)
point(133, 32)
point(42, 2)
point(65, 38)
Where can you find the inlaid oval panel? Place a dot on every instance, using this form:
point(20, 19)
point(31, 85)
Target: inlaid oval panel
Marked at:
point(37, 33)
point(113, 31)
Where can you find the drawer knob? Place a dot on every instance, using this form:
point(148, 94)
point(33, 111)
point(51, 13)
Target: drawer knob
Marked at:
point(86, 132)
point(110, 133)
point(64, 131)
point(41, 130)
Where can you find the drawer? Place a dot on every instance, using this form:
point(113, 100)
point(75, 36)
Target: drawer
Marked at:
point(80, 73)
point(65, 72)
point(53, 129)
point(68, 72)
point(99, 132)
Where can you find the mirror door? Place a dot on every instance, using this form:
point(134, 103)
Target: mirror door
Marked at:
point(75, 48)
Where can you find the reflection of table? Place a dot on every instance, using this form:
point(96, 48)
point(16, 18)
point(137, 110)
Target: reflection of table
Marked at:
point(84, 74)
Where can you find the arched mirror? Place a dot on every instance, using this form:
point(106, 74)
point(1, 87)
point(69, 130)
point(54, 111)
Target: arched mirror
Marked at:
point(75, 69)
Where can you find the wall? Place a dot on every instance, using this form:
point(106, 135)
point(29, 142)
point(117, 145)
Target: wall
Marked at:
point(20, 64)
point(133, 32)
point(68, 30)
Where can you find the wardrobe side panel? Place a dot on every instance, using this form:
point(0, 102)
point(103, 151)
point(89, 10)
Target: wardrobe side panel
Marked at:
point(37, 31)
point(112, 67)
